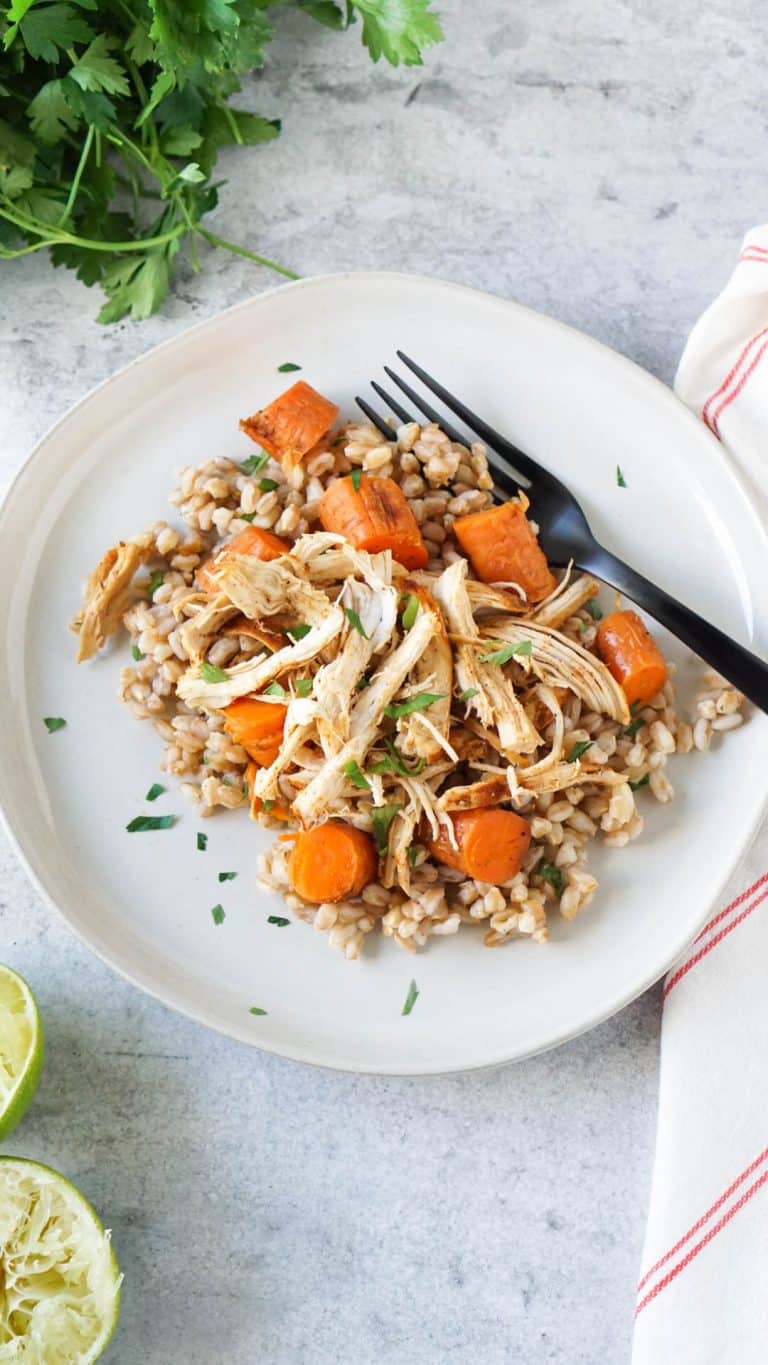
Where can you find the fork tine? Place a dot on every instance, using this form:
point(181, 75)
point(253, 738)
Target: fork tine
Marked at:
point(423, 405)
point(374, 417)
point(528, 467)
point(392, 403)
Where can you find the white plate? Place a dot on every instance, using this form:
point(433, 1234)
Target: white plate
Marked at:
point(142, 902)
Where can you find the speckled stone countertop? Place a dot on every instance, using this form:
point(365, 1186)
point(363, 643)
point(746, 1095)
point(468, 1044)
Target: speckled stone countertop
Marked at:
point(599, 162)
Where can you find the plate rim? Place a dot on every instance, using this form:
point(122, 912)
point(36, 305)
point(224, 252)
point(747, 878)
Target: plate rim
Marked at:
point(503, 1056)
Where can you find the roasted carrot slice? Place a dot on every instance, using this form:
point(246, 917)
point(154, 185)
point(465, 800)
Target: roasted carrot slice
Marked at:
point(276, 810)
point(632, 655)
point(293, 424)
point(492, 844)
point(257, 726)
point(374, 517)
point(502, 548)
point(254, 540)
point(332, 861)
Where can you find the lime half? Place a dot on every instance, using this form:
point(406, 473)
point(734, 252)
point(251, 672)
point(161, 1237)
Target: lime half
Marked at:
point(21, 1049)
point(59, 1280)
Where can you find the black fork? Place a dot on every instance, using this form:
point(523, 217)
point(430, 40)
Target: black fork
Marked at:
point(564, 530)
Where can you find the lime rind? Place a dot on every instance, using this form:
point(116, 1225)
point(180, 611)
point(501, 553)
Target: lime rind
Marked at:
point(61, 1281)
point(22, 1048)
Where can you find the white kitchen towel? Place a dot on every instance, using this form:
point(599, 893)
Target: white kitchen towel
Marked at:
point(703, 1293)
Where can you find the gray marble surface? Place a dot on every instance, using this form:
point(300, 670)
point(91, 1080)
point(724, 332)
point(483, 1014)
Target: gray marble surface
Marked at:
point(599, 162)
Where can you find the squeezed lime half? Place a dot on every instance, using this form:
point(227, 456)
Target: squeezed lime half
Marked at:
point(59, 1280)
point(21, 1049)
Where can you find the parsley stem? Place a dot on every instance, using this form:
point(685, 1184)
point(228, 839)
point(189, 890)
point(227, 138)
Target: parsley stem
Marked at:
point(55, 236)
point(237, 135)
point(214, 240)
point(75, 186)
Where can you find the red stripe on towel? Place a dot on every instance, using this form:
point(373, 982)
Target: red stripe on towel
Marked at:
point(713, 942)
point(745, 895)
point(731, 375)
point(737, 388)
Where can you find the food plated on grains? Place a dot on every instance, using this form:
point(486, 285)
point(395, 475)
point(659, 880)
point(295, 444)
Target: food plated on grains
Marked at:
point(353, 640)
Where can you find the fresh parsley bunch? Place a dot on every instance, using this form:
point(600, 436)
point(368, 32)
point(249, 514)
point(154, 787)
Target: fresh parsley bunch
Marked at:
point(112, 113)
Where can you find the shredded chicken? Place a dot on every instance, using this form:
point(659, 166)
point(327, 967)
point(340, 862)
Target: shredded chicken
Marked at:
point(108, 595)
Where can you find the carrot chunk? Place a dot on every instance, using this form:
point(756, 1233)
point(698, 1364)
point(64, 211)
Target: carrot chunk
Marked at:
point(293, 424)
point(502, 548)
point(257, 726)
point(632, 655)
point(492, 844)
point(375, 517)
point(254, 540)
point(332, 861)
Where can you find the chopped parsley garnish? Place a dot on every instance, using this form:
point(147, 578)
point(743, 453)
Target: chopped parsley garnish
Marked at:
point(202, 842)
point(287, 367)
point(275, 689)
point(634, 726)
point(154, 791)
point(246, 516)
point(303, 687)
point(583, 627)
point(136, 652)
point(298, 632)
point(621, 481)
point(211, 674)
point(381, 819)
point(53, 723)
point(279, 920)
point(217, 914)
point(142, 823)
point(355, 622)
point(549, 873)
point(255, 1010)
point(354, 478)
point(394, 763)
point(267, 486)
point(413, 853)
point(504, 653)
point(579, 748)
point(468, 694)
point(362, 683)
point(410, 610)
point(642, 782)
point(267, 806)
point(156, 580)
point(411, 998)
point(418, 703)
point(594, 609)
point(356, 777)
point(255, 463)
point(227, 876)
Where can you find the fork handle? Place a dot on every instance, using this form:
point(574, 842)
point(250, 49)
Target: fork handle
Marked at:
point(743, 669)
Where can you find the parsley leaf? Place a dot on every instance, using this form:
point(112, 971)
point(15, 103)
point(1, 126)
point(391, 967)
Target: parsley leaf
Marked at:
point(156, 581)
point(217, 914)
point(279, 920)
point(202, 842)
point(227, 876)
point(549, 873)
point(381, 819)
point(303, 687)
point(621, 481)
point(579, 748)
point(246, 516)
point(96, 70)
point(211, 674)
point(356, 777)
point(642, 782)
point(355, 622)
point(418, 703)
point(298, 632)
point(594, 609)
point(141, 823)
point(413, 854)
point(410, 610)
point(50, 29)
point(468, 694)
point(411, 998)
point(275, 689)
point(355, 478)
point(266, 486)
point(53, 723)
point(398, 29)
point(255, 1010)
point(634, 726)
point(504, 653)
point(287, 367)
point(394, 763)
point(255, 463)
point(154, 791)
point(136, 652)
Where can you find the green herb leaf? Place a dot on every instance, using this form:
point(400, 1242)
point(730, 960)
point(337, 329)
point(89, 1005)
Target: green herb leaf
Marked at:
point(287, 367)
point(246, 516)
point(381, 819)
point(202, 842)
point(303, 687)
point(410, 610)
point(279, 920)
point(504, 653)
point(96, 70)
point(298, 632)
point(255, 1010)
point(411, 998)
point(553, 875)
point(634, 726)
point(356, 777)
point(468, 694)
point(267, 486)
point(642, 782)
point(355, 477)
point(594, 609)
point(362, 683)
point(621, 481)
point(211, 674)
point(418, 703)
point(141, 823)
point(394, 763)
point(156, 581)
point(255, 463)
point(154, 791)
point(275, 689)
point(579, 748)
point(267, 806)
point(398, 31)
point(136, 652)
point(53, 723)
point(227, 876)
point(413, 854)
point(355, 622)
point(50, 29)
point(217, 914)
